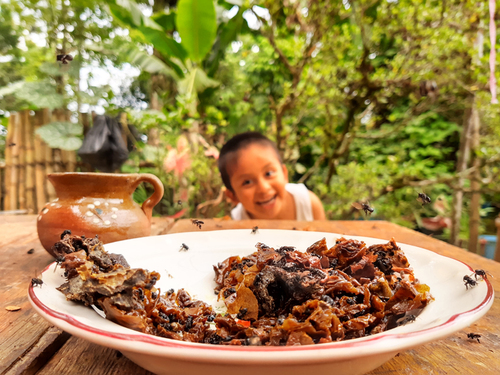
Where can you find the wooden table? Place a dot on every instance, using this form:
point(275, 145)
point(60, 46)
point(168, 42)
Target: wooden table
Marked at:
point(30, 345)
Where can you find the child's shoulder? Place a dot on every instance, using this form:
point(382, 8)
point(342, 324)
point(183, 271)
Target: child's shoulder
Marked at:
point(317, 207)
point(302, 193)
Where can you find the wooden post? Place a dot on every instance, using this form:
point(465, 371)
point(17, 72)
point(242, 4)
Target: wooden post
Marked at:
point(23, 118)
point(68, 158)
point(8, 161)
point(86, 120)
point(475, 186)
point(40, 178)
point(30, 164)
point(12, 188)
point(49, 159)
point(497, 247)
point(59, 162)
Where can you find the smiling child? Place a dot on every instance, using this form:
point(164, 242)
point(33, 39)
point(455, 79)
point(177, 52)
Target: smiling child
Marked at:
point(257, 182)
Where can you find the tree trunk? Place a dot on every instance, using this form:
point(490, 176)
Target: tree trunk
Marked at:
point(475, 185)
point(463, 158)
point(279, 130)
point(339, 149)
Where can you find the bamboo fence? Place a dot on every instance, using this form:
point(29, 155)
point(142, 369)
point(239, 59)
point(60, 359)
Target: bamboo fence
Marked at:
point(24, 185)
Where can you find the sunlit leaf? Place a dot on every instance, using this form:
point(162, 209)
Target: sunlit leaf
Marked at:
point(145, 62)
point(235, 2)
point(197, 26)
point(41, 94)
point(226, 33)
point(131, 16)
point(167, 46)
point(128, 12)
point(63, 135)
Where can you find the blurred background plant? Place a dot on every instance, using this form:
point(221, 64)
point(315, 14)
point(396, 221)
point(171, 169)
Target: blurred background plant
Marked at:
point(370, 100)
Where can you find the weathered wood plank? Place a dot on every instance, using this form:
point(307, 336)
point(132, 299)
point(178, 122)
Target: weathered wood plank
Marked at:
point(39, 354)
point(78, 356)
point(19, 330)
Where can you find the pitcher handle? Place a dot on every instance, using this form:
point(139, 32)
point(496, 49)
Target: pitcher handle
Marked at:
point(149, 203)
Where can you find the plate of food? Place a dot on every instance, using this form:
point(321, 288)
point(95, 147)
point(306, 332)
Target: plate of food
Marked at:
point(266, 301)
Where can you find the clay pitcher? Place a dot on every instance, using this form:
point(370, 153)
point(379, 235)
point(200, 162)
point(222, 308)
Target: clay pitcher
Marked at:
point(97, 204)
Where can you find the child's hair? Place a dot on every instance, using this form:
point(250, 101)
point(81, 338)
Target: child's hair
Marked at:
point(237, 143)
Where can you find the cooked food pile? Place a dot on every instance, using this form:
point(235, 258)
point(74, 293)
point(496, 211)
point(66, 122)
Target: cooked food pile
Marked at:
point(273, 296)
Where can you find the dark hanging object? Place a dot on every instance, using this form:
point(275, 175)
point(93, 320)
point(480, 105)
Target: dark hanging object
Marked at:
point(103, 147)
point(65, 59)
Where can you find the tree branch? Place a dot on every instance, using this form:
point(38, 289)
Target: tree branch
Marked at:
point(311, 170)
point(272, 41)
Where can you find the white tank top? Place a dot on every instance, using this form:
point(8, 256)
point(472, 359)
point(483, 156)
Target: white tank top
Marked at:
point(300, 194)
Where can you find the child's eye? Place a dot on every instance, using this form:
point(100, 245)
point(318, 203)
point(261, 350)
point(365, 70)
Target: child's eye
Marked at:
point(270, 173)
point(246, 182)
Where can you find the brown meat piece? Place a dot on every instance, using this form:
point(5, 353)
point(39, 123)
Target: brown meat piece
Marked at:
point(275, 288)
point(273, 297)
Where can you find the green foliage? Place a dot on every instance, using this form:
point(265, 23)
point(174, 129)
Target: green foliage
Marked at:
point(40, 94)
point(63, 135)
point(197, 26)
point(146, 62)
point(341, 84)
point(196, 81)
point(146, 30)
point(227, 32)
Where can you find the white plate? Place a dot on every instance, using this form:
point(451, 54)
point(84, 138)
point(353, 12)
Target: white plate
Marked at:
point(454, 308)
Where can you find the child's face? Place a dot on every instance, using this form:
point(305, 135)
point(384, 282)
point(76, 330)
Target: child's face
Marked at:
point(258, 180)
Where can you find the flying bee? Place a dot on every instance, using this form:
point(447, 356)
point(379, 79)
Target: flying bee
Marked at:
point(363, 206)
point(469, 281)
point(11, 144)
point(64, 59)
point(474, 336)
point(31, 251)
point(184, 247)
point(179, 202)
point(254, 230)
point(198, 223)
point(423, 198)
